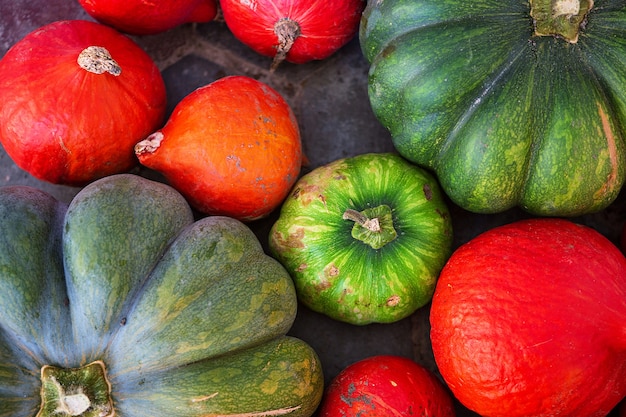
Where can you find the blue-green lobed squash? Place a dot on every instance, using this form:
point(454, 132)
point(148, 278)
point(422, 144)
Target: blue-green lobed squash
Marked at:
point(121, 304)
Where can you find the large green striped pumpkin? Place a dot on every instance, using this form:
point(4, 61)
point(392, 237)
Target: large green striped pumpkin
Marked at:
point(122, 305)
point(510, 102)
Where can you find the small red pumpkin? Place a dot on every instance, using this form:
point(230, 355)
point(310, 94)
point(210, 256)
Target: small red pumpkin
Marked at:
point(528, 319)
point(622, 238)
point(75, 97)
point(231, 148)
point(386, 385)
point(140, 17)
point(298, 31)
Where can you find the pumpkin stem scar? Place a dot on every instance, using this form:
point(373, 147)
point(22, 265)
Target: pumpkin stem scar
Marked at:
point(287, 31)
point(567, 8)
point(206, 397)
point(612, 178)
point(72, 404)
point(561, 18)
point(84, 392)
point(98, 60)
point(269, 413)
point(149, 144)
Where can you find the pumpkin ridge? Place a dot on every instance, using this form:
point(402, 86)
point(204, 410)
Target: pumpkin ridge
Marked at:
point(480, 94)
point(61, 266)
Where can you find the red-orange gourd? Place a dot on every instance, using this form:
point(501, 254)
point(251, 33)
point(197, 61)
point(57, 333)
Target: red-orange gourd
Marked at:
point(75, 97)
point(231, 148)
point(140, 17)
point(528, 319)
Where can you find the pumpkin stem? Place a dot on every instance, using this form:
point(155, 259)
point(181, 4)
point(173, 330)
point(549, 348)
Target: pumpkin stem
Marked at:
point(560, 18)
point(98, 60)
point(287, 31)
point(149, 144)
point(84, 392)
point(75, 404)
point(373, 226)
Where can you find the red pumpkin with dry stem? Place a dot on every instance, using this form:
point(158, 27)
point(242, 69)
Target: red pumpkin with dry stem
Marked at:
point(297, 31)
point(75, 97)
point(231, 148)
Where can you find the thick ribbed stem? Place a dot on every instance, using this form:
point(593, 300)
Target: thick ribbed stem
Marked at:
point(560, 18)
point(74, 392)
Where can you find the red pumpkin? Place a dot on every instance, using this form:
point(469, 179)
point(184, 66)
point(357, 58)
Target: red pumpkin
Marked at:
point(622, 239)
point(298, 31)
point(231, 148)
point(386, 385)
point(140, 17)
point(75, 97)
point(528, 319)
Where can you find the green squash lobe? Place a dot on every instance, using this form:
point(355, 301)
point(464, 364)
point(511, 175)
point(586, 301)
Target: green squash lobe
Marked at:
point(509, 103)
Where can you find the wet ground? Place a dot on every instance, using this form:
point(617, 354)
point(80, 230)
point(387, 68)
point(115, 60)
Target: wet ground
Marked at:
point(330, 101)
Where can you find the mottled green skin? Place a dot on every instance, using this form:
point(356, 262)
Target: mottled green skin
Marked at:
point(180, 311)
point(345, 278)
point(503, 117)
point(34, 318)
point(278, 378)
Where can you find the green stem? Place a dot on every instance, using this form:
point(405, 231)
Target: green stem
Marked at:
point(373, 226)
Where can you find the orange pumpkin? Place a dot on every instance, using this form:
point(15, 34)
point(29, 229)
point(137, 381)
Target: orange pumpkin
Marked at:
point(231, 148)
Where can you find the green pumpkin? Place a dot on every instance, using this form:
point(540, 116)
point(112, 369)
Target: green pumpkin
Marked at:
point(122, 304)
point(364, 238)
point(510, 103)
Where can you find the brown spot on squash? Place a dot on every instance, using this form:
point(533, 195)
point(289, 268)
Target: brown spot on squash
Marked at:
point(293, 240)
point(393, 301)
point(322, 285)
point(428, 192)
point(612, 178)
point(388, 51)
point(307, 193)
point(331, 271)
